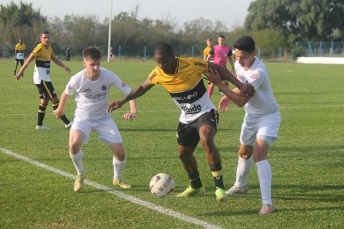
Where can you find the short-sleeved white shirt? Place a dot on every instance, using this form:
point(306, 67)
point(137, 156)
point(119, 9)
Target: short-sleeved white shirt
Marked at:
point(92, 96)
point(263, 101)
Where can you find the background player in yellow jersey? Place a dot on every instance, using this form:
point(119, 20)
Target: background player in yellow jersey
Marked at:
point(207, 49)
point(19, 51)
point(42, 55)
point(182, 78)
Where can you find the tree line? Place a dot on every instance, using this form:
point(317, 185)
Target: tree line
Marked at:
point(273, 24)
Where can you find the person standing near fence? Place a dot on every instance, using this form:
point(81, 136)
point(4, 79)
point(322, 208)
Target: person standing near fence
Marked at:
point(68, 53)
point(19, 51)
point(42, 55)
point(261, 122)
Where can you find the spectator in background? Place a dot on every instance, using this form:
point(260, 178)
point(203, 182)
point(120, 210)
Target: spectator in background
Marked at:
point(68, 53)
point(111, 53)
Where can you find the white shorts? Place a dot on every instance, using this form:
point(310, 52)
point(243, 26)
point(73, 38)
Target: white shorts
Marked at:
point(266, 129)
point(107, 130)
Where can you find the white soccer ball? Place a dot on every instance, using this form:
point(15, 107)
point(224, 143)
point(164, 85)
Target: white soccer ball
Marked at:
point(161, 185)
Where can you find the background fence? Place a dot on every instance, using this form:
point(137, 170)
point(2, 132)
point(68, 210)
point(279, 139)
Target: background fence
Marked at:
point(122, 52)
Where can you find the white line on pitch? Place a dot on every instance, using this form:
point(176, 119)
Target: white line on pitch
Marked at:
point(122, 195)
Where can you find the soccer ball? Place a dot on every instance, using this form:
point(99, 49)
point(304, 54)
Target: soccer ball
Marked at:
point(161, 185)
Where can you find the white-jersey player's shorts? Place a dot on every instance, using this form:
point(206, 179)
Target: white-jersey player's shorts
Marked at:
point(107, 130)
point(265, 128)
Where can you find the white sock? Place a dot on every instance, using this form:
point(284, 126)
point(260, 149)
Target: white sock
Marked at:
point(118, 167)
point(77, 161)
point(243, 169)
point(265, 176)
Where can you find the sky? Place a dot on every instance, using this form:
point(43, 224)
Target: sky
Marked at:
point(231, 12)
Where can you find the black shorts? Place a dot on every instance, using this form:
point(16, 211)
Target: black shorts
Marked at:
point(21, 61)
point(46, 90)
point(188, 134)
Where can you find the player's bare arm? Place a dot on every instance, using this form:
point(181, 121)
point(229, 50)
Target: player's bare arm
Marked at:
point(245, 89)
point(60, 110)
point(132, 114)
point(209, 57)
point(59, 63)
point(214, 77)
point(22, 69)
point(135, 93)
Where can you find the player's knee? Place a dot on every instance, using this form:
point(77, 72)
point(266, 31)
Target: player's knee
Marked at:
point(74, 147)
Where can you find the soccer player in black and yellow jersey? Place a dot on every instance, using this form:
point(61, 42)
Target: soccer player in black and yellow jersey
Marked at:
point(42, 55)
point(182, 78)
point(19, 52)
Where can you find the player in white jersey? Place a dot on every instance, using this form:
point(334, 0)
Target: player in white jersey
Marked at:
point(261, 122)
point(92, 88)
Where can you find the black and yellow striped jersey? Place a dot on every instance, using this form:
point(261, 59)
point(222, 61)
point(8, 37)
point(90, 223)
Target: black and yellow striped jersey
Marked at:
point(20, 50)
point(42, 55)
point(186, 87)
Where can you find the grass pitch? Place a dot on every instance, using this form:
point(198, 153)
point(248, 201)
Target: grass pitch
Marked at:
point(307, 161)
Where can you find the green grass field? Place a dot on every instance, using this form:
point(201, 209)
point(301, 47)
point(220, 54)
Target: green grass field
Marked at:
point(36, 190)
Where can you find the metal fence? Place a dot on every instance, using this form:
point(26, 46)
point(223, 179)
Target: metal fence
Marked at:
point(321, 49)
point(143, 52)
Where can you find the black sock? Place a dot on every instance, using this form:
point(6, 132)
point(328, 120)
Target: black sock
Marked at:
point(41, 114)
point(195, 180)
point(216, 170)
point(63, 118)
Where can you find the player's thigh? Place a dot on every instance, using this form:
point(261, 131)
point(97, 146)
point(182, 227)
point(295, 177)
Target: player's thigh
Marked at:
point(187, 135)
point(108, 132)
point(46, 90)
point(268, 127)
point(248, 134)
point(80, 132)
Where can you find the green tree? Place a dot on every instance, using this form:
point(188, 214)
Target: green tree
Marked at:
point(20, 21)
point(306, 19)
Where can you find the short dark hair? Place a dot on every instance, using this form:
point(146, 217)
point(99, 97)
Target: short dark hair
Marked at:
point(223, 37)
point(91, 53)
point(163, 49)
point(245, 43)
point(44, 32)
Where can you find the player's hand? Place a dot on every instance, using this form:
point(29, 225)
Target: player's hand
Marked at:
point(114, 105)
point(17, 76)
point(58, 113)
point(67, 69)
point(224, 104)
point(247, 90)
point(213, 76)
point(129, 116)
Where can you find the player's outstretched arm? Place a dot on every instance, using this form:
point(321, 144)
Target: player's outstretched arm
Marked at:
point(60, 110)
point(59, 63)
point(135, 93)
point(132, 114)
